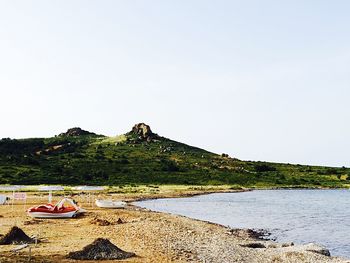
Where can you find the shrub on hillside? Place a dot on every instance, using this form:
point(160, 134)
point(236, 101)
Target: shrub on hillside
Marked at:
point(264, 168)
point(169, 166)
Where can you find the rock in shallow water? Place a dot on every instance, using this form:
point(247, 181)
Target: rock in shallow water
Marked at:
point(312, 247)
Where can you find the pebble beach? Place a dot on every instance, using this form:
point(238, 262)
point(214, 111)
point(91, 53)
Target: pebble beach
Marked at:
point(151, 236)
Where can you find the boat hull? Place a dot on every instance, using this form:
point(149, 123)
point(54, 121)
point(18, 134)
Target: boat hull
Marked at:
point(56, 211)
point(52, 215)
point(110, 204)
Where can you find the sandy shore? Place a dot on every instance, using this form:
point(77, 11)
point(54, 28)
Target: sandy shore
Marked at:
point(154, 237)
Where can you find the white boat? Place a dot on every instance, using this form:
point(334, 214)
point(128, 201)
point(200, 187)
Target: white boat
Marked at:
point(56, 211)
point(110, 204)
point(3, 199)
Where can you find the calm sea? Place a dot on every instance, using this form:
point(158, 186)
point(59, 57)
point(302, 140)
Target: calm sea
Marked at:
point(300, 216)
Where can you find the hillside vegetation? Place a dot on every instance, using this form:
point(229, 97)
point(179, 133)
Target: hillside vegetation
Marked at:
point(142, 157)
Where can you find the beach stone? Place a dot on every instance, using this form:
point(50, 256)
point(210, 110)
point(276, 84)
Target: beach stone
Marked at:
point(253, 245)
point(289, 244)
point(100, 222)
point(271, 245)
point(312, 247)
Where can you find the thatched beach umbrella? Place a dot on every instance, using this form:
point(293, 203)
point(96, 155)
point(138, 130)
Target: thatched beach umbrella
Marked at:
point(10, 188)
point(50, 189)
point(89, 189)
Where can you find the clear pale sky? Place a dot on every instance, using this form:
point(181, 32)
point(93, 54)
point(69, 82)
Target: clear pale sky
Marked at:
point(259, 80)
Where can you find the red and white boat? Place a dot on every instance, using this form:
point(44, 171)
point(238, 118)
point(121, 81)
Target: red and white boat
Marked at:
point(56, 211)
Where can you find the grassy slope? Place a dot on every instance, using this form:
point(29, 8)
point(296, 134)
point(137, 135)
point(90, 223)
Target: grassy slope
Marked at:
point(93, 159)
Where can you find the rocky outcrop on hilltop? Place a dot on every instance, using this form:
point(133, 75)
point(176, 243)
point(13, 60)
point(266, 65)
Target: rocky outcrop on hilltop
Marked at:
point(76, 131)
point(142, 132)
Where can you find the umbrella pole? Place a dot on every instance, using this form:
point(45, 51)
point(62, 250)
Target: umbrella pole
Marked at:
point(13, 199)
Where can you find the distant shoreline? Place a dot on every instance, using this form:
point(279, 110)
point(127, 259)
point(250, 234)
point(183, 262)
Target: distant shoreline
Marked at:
point(184, 195)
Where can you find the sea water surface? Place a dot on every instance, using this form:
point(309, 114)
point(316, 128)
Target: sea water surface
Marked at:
point(300, 216)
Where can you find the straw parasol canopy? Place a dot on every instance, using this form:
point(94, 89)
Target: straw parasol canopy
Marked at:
point(88, 188)
point(10, 188)
point(50, 189)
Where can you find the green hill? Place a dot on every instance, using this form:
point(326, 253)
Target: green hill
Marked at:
point(143, 157)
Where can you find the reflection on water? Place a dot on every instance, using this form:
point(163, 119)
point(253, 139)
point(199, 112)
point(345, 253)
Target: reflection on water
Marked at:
point(301, 216)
